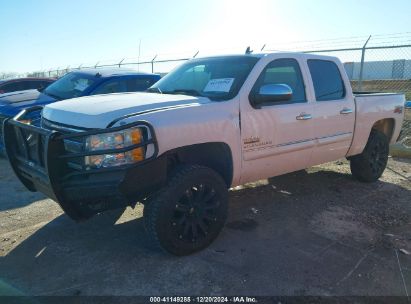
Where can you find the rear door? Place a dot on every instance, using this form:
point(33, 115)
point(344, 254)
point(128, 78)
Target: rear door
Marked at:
point(334, 111)
point(277, 137)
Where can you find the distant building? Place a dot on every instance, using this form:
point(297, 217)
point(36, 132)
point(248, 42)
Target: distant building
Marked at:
point(373, 70)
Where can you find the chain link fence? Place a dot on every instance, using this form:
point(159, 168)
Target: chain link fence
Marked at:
point(156, 65)
point(379, 69)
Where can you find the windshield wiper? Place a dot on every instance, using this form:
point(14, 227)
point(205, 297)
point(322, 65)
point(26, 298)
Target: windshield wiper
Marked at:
point(184, 92)
point(154, 90)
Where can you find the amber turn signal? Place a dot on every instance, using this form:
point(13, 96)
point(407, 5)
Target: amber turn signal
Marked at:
point(136, 138)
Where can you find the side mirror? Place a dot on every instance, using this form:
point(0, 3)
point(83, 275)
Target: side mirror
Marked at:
point(272, 93)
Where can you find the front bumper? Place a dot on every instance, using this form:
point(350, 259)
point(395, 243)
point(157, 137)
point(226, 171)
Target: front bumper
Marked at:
point(40, 160)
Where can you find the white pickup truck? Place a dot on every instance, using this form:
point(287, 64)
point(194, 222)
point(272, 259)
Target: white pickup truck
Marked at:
point(209, 125)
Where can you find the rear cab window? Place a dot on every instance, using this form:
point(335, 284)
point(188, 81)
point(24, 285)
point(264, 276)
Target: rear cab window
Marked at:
point(327, 80)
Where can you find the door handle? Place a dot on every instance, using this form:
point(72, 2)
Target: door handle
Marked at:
point(304, 116)
point(346, 111)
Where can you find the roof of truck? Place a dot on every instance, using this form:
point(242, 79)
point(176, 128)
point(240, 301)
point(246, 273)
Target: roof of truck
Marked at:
point(295, 54)
point(284, 53)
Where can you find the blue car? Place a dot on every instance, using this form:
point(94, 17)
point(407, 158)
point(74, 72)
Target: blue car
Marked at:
point(74, 84)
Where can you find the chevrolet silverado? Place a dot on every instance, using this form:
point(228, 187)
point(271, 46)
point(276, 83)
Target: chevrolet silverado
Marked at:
point(211, 124)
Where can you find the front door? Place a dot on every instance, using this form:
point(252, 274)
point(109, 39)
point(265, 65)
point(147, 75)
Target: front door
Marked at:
point(277, 137)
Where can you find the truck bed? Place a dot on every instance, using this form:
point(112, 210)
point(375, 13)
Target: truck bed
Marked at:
point(372, 108)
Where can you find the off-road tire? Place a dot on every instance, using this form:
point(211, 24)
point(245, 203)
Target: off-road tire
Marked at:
point(189, 212)
point(370, 164)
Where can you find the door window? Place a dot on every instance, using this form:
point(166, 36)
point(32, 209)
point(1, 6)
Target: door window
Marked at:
point(328, 84)
point(283, 71)
point(139, 84)
point(111, 86)
point(36, 84)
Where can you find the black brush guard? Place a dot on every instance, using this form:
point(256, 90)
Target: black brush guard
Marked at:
point(39, 159)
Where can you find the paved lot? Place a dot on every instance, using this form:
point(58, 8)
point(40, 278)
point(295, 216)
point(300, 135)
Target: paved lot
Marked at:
point(314, 232)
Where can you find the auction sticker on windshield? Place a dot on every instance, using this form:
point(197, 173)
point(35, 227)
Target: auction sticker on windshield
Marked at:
point(219, 85)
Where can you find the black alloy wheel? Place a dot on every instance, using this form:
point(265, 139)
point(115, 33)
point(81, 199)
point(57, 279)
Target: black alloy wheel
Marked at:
point(189, 212)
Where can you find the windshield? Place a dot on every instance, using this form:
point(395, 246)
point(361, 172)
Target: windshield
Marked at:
point(217, 78)
point(70, 85)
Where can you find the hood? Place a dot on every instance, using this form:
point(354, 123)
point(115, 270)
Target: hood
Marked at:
point(24, 99)
point(100, 110)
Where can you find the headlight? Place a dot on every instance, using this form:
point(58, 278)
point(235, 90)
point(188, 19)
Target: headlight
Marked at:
point(115, 140)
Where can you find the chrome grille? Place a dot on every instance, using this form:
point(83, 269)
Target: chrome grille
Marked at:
point(51, 125)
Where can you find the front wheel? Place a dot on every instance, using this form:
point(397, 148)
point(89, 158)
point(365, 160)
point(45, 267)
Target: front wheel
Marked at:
point(189, 213)
point(370, 164)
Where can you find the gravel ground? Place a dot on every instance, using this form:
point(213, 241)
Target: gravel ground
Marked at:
point(313, 232)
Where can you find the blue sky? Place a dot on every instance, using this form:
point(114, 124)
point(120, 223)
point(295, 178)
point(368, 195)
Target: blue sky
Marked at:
point(44, 34)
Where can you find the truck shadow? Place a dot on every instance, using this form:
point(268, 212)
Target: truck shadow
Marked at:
point(12, 193)
point(100, 257)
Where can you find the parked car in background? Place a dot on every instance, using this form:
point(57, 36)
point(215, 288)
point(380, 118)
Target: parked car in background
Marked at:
point(75, 84)
point(20, 84)
point(211, 124)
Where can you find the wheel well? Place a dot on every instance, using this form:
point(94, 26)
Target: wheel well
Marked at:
point(216, 155)
point(385, 126)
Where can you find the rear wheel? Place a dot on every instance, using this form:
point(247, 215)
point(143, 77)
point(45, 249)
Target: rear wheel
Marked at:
point(370, 164)
point(188, 213)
